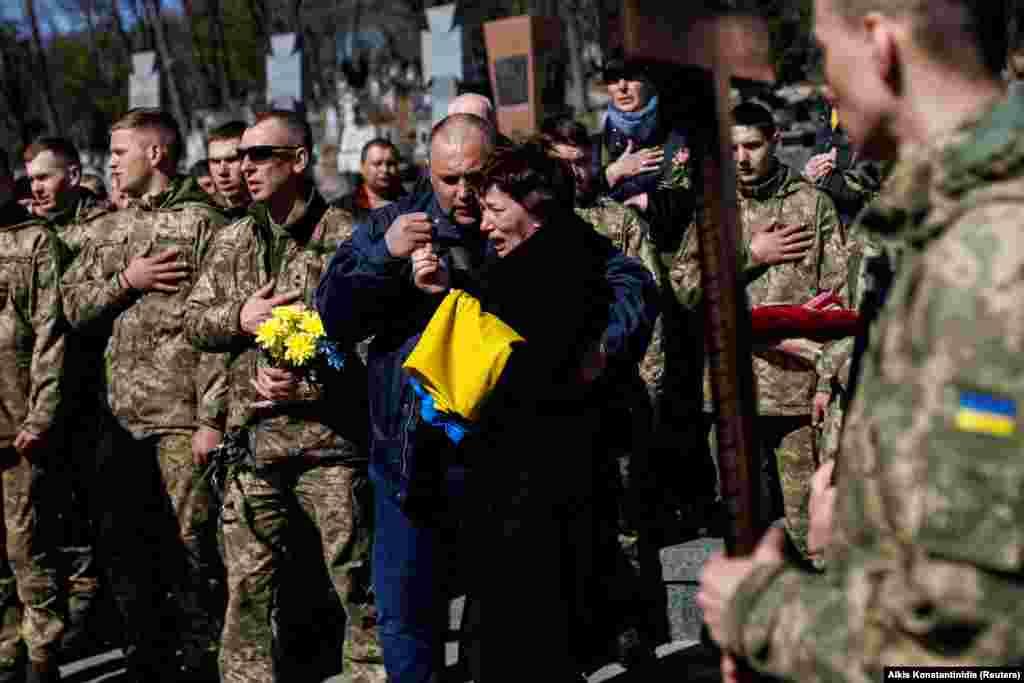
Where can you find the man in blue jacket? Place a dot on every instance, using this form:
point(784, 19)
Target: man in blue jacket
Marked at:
point(368, 291)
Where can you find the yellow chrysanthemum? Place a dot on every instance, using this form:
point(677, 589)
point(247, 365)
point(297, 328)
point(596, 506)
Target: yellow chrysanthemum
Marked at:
point(270, 333)
point(299, 348)
point(288, 314)
point(311, 324)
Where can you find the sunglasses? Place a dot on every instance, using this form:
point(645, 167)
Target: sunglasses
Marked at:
point(260, 154)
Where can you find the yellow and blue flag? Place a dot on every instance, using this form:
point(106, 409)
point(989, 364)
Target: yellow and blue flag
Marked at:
point(986, 414)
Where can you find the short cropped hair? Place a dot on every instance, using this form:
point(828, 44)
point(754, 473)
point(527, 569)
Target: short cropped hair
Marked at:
point(454, 126)
point(377, 142)
point(754, 115)
point(62, 148)
point(200, 168)
point(533, 176)
point(158, 121)
point(296, 123)
point(232, 130)
point(564, 130)
point(948, 30)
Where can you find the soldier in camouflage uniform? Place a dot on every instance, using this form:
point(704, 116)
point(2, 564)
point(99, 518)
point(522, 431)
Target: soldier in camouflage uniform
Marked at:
point(54, 168)
point(925, 565)
point(128, 286)
point(771, 195)
point(307, 454)
point(32, 341)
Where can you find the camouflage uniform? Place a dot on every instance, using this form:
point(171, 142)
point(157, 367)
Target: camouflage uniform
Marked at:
point(32, 355)
point(785, 383)
point(307, 457)
point(83, 395)
point(926, 565)
point(156, 534)
point(875, 247)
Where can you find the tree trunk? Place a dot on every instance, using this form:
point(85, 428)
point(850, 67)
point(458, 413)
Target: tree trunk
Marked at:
point(166, 64)
point(577, 92)
point(126, 41)
point(42, 70)
point(202, 65)
point(220, 50)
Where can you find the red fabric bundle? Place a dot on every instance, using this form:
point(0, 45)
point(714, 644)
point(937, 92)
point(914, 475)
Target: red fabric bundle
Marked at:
point(820, 319)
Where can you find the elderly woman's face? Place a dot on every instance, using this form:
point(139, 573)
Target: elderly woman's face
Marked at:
point(505, 222)
point(630, 93)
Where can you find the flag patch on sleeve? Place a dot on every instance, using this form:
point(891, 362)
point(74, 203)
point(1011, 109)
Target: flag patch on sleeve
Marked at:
point(986, 414)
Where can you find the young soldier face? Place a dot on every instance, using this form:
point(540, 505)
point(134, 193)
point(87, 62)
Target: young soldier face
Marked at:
point(131, 161)
point(53, 182)
point(754, 153)
point(226, 169)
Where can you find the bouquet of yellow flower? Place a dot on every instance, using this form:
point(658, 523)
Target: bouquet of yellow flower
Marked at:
point(293, 337)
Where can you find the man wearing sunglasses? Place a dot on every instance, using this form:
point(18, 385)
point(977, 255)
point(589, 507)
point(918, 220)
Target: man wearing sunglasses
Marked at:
point(305, 436)
point(226, 168)
point(368, 290)
point(153, 523)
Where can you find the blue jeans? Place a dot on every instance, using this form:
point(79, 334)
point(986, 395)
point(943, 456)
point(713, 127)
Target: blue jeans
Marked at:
point(413, 576)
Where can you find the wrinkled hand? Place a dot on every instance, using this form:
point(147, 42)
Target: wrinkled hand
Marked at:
point(28, 444)
point(159, 273)
point(821, 510)
point(204, 440)
point(258, 307)
point(408, 233)
point(780, 244)
point(275, 384)
point(638, 202)
point(633, 163)
point(722, 576)
point(428, 272)
point(821, 400)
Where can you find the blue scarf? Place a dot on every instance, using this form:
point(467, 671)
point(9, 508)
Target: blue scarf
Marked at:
point(638, 125)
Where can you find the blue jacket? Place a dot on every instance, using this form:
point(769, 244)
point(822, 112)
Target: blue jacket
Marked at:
point(366, 292)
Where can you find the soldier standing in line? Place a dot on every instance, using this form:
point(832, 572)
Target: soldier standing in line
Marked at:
point(54, 168)
point(32, 353)
point(925, 556)
point(306, 450)
point(226, 168)
point(128, 286)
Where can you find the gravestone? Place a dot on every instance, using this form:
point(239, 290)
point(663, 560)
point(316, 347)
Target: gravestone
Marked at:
point(144, 83)
point(284, 72)
point(527, 70)
point(680, 571)
point(442, 57)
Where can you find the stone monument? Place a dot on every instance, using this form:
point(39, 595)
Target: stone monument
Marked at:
point(284, 72)
point(442, 57)
point(144, 83)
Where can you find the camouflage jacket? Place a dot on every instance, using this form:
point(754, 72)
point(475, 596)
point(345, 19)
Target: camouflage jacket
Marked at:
point(928, 543)
point(31, 330)
point(155, 379)
point(244, 257)
point(785, 386)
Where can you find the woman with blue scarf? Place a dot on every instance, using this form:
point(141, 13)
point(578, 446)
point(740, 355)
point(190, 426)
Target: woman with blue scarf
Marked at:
point(642, 159)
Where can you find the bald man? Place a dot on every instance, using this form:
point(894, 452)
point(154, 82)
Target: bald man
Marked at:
point(419, 492)
point(472, 103)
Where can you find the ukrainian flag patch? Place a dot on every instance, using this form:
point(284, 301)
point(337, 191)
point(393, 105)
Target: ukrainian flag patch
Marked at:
point(986, 414)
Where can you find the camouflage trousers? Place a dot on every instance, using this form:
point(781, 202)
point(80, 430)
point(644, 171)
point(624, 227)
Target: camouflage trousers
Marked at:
point(156, 542)
point(33, 535)
point(789, 442)
point(261, 517)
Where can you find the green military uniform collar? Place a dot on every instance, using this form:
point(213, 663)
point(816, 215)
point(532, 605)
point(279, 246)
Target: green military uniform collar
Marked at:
point(182, 190)
point(779, 183)
point(981, 150)
point(299, 225)
point(86, 202)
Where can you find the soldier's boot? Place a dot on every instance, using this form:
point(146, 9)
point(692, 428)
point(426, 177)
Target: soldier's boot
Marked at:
point(42, 672)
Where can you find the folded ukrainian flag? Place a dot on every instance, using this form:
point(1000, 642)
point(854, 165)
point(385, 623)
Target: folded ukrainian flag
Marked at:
point(460, 357)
